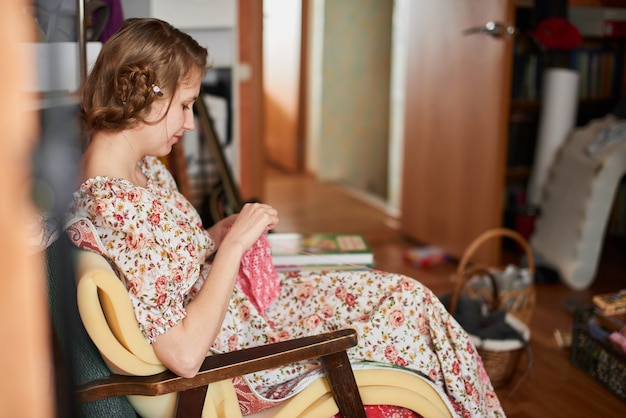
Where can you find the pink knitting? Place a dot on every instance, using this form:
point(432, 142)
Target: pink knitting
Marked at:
point(257, 276)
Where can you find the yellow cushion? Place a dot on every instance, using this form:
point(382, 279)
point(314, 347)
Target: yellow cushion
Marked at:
point(378, 386)
point(108, 316)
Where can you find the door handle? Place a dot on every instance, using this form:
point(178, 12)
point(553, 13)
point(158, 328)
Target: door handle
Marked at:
point(494, 29)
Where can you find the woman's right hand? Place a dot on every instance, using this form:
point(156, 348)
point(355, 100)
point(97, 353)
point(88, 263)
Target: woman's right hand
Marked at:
point(253, 220)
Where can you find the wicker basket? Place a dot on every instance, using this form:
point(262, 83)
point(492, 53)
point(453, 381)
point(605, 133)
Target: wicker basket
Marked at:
point(519, 302)
point(500, 357)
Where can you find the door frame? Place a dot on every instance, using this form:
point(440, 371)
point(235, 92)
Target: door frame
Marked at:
point(250, 112)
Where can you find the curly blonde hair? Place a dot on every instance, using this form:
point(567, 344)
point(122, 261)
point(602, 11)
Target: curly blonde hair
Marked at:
point(142, 54)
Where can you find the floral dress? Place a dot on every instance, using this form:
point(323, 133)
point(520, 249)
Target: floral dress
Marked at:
point(155, 237)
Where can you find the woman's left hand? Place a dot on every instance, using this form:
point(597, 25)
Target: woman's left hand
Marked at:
point(253, 220)
point(219, 230)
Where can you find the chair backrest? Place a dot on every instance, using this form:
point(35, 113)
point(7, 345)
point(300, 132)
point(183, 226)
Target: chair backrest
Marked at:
point(109, 318)
point(81, 361)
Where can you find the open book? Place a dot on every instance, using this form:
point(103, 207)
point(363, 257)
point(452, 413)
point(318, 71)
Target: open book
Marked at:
point(293, 250)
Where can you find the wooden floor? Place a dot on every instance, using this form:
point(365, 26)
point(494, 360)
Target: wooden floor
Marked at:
point(552, 387)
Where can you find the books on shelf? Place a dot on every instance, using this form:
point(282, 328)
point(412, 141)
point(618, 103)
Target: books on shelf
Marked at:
point(598, 69)
point(319, 250)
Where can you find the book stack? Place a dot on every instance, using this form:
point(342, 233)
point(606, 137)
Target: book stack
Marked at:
point(610, 318)
point(319, 251)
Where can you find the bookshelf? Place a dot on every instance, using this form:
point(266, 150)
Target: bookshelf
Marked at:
point(599, 61)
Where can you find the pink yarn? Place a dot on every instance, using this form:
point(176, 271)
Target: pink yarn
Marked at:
point(257, 276)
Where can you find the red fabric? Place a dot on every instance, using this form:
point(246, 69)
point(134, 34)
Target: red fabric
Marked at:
point(249, 403)
point(257, 276)
point(386, 411)
point(556, 33)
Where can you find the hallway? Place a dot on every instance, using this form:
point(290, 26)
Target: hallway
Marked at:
point(553, 387)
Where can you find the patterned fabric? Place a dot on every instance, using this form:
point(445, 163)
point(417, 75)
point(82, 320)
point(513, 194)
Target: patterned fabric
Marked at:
point(249, 402)
point(83, 235)
point(156, 238)
point(257, 276)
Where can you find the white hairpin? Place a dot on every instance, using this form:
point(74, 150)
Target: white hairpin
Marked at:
point(157, 90)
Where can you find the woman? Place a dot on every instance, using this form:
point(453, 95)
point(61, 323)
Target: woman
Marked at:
point(135, 104)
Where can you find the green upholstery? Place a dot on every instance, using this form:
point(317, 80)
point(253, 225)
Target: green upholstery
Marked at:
point(78, 353)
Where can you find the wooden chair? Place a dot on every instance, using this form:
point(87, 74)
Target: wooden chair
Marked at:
point(120, 376)
point(107, 315)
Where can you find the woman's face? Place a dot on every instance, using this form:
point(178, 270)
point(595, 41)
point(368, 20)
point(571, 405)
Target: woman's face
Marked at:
point(160, 138)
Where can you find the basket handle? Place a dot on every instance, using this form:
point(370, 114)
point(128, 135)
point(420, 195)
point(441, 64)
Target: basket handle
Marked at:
point(494, 233)
point(464, 278)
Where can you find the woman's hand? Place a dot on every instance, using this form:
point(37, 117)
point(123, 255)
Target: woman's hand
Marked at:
point(253, 220)
point(183, 347)
point(218, 230)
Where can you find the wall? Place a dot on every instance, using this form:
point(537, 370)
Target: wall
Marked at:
point(351, 107)
point(190, 14)
point(210, 22)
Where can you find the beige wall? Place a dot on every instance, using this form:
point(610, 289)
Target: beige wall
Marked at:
point(354, 98)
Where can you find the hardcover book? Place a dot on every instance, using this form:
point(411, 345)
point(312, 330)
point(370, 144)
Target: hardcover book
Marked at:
point(319, 249)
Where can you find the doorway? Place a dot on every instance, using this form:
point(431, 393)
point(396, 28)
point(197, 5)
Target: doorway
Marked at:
point(339, 124)
point(284, 62)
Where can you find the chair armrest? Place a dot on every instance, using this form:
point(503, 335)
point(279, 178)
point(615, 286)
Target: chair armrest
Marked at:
point(237, 363)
